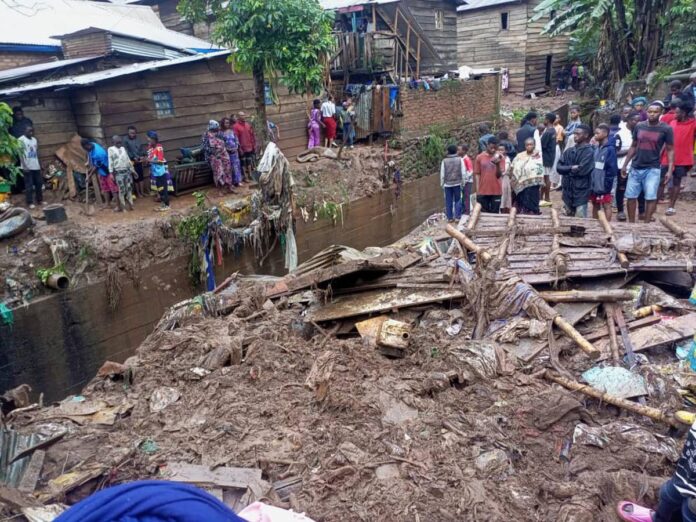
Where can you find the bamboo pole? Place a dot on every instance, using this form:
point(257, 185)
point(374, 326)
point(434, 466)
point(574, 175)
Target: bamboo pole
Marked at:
point(652, 413)
point(559, 260)
point(418, 59)
point(672, 226)
point(623, 260)
point(473, 219)
point(503, 249)
point(611, 327)
point(584, 296)
point(568, 329)
point(467, 243)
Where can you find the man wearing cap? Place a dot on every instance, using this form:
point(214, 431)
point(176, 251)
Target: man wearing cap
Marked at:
point(648, 139)
point(247, 144)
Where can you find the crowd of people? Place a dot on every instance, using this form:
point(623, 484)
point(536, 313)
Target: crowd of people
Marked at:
point(229, 147)
point(328, 117)
point(629, 164)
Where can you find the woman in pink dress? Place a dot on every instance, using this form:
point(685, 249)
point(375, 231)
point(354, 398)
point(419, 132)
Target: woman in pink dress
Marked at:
point(315, 124)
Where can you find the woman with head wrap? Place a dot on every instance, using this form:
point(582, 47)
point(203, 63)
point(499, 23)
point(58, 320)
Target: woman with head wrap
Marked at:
point(526, 176)
point(232, 146)
point(638, 105)
point(160, 180)
point(217, 156)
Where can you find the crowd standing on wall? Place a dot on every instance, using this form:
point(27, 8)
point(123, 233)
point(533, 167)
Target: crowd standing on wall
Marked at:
point(641, 157)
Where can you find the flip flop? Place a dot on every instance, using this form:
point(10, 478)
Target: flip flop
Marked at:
point(633, 512)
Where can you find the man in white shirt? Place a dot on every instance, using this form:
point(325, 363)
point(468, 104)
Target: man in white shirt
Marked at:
point(33, 182)
point(328, 116)
point(625, 134)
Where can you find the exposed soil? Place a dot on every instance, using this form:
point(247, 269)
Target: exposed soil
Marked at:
point(379, 439)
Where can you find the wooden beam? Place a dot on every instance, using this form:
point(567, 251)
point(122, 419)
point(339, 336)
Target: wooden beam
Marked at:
point(611, 328)
point(467, 243)
point(374, 18)
point(418, 59)
point(623, 260)
point(584, 296)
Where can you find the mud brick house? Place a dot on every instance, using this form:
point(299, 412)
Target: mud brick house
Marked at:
point(176, 97)
point(498, 33)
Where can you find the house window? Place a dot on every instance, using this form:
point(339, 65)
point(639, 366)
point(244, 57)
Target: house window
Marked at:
point(164, 106)
point(504, 21)
point(439, 19)
point(267, 93)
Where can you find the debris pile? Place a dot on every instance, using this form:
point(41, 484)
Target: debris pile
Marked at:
point(437, 378)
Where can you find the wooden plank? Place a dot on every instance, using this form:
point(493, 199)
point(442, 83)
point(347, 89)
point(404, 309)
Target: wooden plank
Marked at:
point(666, 332)
point(380, 301)
point(32, 473)
point(202, 475)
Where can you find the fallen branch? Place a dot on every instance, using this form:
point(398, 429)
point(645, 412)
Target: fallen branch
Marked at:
point(467, 243)
point(611, 327)
point(585, 389)
point(473, 219)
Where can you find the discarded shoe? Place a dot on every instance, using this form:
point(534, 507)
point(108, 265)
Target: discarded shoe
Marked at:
point(633, 512)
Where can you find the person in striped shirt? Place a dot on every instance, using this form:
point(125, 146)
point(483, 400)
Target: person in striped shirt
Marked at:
point(677, 495)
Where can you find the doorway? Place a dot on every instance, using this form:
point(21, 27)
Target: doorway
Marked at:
point(549, 63)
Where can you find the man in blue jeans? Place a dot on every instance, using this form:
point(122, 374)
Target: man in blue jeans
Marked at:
point(649, 138)
point(452, 176)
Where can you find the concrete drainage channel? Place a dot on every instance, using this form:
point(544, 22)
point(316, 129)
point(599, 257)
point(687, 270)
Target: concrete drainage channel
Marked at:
point(58, 342)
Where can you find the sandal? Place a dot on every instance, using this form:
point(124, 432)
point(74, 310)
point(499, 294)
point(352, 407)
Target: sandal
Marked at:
point(633, 512)
point(670, 211)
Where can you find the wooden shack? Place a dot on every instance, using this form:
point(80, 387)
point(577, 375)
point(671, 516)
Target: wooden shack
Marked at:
point(175, 97)
point(393, 38)
point(498, 33)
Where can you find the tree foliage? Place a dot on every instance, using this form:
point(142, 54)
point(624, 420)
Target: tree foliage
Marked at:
point(10, 147)
point(270, 38)
point(680, 39)
point(622, 37)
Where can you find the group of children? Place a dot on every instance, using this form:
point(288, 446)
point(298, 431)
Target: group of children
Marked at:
point(639, 156)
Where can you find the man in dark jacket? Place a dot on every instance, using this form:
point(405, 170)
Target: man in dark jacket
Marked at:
point(576, 166)
point(548, 157)
point(526, 130)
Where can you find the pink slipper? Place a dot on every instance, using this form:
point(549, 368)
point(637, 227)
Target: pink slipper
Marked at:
point(633, 512)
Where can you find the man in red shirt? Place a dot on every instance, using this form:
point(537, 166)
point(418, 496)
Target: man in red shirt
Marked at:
point(488, 175)
point(684, 128)
point(247, 144)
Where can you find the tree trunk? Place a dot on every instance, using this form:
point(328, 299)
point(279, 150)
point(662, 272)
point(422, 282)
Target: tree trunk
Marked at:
point(260, 98)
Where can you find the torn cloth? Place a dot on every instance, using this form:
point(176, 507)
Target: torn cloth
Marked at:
point(150, 501)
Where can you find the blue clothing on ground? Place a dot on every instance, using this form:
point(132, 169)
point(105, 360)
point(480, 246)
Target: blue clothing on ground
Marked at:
point(98, 159)
point(150, 501)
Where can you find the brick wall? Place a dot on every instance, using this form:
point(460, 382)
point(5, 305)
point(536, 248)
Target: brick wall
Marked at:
point(454, 105)
point(10, 60)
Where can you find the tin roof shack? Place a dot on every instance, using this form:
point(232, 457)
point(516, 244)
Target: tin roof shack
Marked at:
point(176, 97)
point(498, 33)
point(393, 38)
point(30, 32)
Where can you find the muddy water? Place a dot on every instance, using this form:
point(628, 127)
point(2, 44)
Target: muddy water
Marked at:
point(57, 343)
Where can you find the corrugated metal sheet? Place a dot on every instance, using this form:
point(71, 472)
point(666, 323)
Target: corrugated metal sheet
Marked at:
point(127, 45)
point(38, 23)
point(21, 72)
point(12, 443)
point(471, 5)
point(100, 76)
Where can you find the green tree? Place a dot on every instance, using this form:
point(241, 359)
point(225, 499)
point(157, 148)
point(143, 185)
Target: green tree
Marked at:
point(270, 38)
point(10, 147)
point(680, 38)
point(629, 34)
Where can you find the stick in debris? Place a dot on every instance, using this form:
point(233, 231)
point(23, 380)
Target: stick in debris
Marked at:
point(559, 259)
point(583, 296)
point(652, 413)
point(623, 260)
point(672, 226)
point(628, 345)
point(503, 249)
point(473, 219)
point(611, 327)
point(467, 243)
